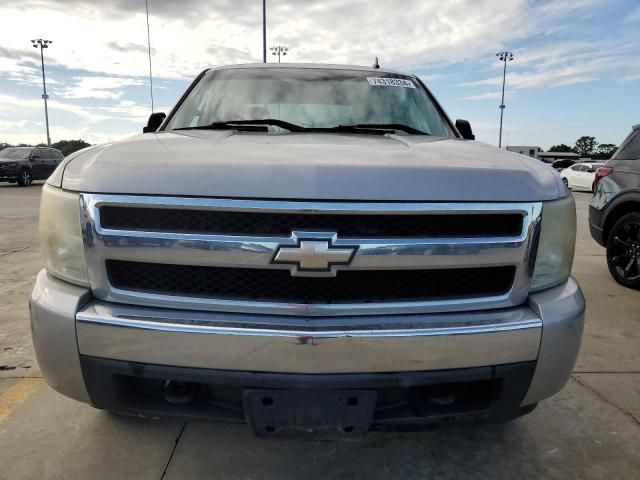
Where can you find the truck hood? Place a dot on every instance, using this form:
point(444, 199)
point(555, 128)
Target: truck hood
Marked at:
point(310, 166)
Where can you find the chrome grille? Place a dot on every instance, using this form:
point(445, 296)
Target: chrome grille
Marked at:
point(281, 224)
point(445, 257)
point(361, 286)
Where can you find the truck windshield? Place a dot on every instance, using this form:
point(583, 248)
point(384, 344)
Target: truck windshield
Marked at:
point(15, 153)
point(311, 98)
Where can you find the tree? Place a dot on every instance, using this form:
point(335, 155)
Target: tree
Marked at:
point(605, 151)
point(585, 146)
point(67, 147)
point(561, 148)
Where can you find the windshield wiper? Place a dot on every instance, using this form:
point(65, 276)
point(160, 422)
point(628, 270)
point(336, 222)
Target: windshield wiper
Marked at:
point(379, 127)
point(258, 125)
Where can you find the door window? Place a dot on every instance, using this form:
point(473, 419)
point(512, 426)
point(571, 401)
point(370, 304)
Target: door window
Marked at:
point(630, 150)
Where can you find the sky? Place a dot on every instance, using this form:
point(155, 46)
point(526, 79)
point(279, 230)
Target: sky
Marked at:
point(576, 69)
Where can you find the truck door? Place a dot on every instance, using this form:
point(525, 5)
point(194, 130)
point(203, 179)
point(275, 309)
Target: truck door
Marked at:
point(39, 157)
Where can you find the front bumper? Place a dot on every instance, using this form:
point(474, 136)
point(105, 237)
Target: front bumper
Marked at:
point(595, 225)
point(9, 173)
point(69, 327)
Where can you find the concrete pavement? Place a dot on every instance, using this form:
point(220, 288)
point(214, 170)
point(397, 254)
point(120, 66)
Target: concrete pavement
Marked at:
point(590, 430)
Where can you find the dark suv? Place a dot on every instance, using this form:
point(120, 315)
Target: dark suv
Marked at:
point(614, 213)
point(26, 164)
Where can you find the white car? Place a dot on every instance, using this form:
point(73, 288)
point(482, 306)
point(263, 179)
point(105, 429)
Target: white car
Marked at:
point(580, 176)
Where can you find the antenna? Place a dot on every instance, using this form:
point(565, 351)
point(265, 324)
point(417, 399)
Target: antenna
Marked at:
point(376, 64)
point(146, 4)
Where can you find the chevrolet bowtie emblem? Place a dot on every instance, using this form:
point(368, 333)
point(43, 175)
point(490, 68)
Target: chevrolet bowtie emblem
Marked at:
point(314, 256)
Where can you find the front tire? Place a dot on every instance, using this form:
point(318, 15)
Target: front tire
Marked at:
point(25, 178)
point(623, 251)
point(566, 182)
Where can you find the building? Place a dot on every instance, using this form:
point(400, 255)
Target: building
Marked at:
point(530, 151)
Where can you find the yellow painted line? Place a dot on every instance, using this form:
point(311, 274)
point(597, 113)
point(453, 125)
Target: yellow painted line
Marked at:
point(17, 394)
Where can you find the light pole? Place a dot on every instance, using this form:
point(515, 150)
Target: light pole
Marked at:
point(504, 57)
point(42, 44)
point(279, 50)
point(264, 31)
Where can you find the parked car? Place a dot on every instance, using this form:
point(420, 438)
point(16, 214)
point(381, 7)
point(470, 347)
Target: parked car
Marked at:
point(23, 165)
point(563, 163)
point(614, 212)
point(580, 176)
point(307, 248)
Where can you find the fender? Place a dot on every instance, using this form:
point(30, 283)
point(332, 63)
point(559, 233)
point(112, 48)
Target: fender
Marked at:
point(612, 212)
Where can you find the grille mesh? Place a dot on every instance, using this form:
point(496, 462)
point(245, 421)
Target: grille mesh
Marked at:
point(355, 286)
point(282, 224)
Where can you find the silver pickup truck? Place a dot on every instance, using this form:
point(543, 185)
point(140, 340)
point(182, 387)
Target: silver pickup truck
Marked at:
point(307, 248)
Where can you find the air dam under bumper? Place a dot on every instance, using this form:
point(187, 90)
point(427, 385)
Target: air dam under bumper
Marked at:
point(303, 345)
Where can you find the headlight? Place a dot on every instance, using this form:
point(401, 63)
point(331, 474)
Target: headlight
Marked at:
point(61, 236)
point(556, 244)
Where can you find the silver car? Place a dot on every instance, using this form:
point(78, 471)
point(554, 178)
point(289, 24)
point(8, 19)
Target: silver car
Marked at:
point(307, 248)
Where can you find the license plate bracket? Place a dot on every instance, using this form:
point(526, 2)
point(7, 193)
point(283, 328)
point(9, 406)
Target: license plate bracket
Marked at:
point(325, 412)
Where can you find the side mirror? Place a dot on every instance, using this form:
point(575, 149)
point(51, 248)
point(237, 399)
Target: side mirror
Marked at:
point(34, 156)
point(155, 120)
point(464, 127)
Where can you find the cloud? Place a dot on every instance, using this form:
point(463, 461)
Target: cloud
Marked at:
point(130, 47)
point(67, 120)
point(556, 65)
point(548, 77)
point(34, 132)
point(633, 16)
point(15, 107)
point(484, 96)
point(19, 55)
point(216, 50)
point(98, 87)
point(7, 126)
point(130, 111)
point(189, 35)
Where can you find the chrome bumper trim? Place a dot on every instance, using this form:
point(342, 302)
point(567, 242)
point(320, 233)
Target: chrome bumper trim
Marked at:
point(300, 345)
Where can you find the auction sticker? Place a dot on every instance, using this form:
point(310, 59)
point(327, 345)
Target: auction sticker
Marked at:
point(390, 82)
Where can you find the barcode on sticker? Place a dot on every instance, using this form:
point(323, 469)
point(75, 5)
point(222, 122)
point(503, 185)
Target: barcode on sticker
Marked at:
point(390, 82)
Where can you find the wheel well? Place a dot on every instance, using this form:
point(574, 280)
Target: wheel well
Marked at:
point(618, 211)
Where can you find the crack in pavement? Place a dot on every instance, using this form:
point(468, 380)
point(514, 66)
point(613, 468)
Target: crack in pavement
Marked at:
point(605, 372)
point(14, 251)
point(606, 400)
point(173, 451)
point(20, 376)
